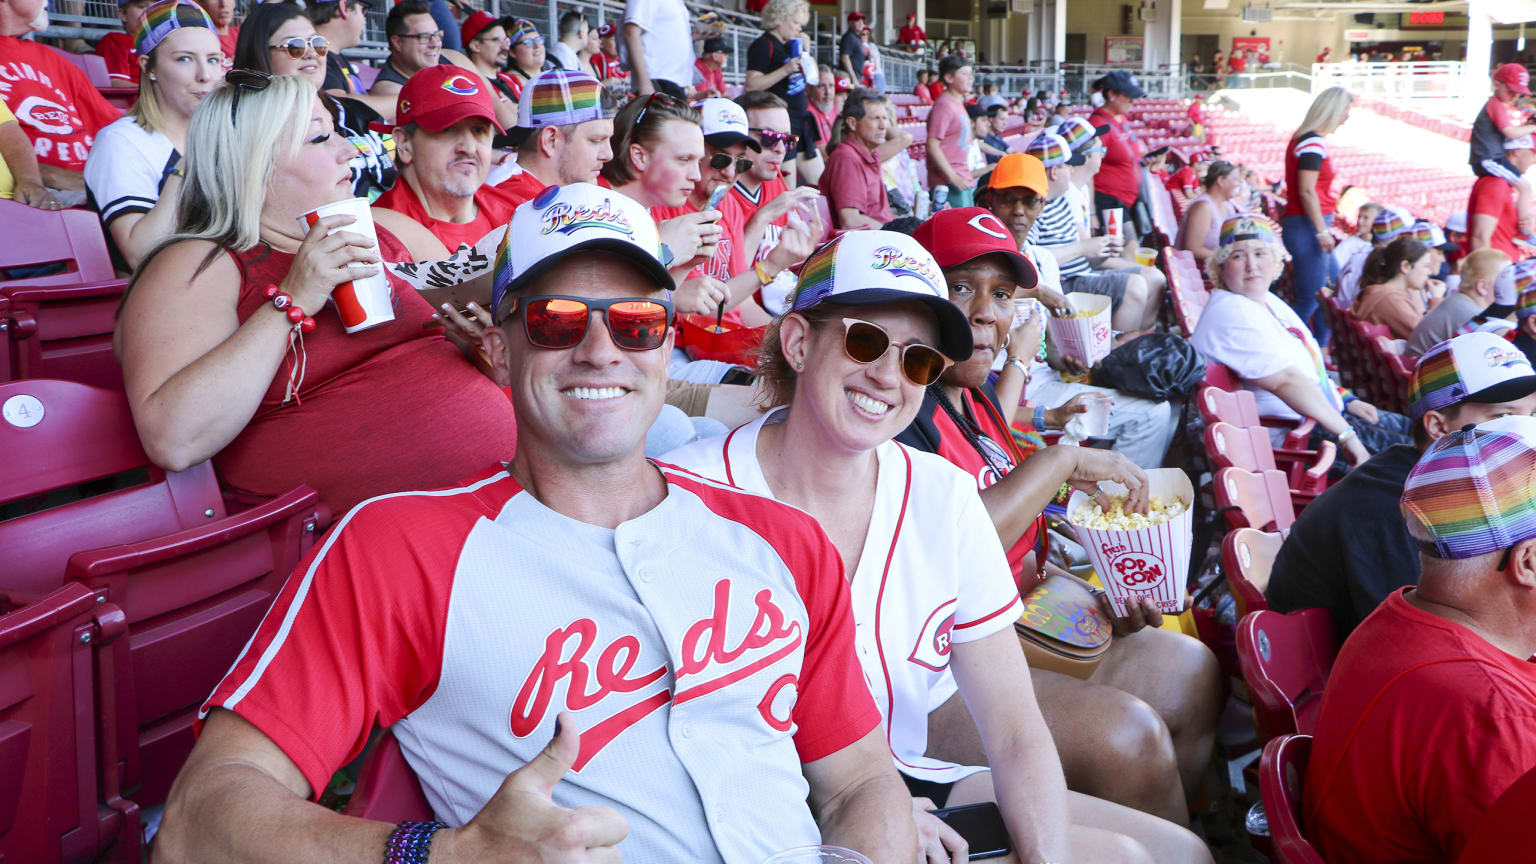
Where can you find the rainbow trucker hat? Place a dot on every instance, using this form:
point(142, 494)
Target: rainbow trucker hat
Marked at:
point(1049, 148)
point(1470, 493)
point(166, 17)
point(1248, 226)
point(1472, 367)
point(557, 97)
point(867, 268)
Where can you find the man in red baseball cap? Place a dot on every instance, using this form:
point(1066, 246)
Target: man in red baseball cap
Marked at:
point(444, 121)
point(1497, 123)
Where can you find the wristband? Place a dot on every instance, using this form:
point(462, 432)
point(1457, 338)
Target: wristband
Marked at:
point(1346, 435)
point(1039, 418)
point(1019, 364)
point(411, 842)
point(762, 275)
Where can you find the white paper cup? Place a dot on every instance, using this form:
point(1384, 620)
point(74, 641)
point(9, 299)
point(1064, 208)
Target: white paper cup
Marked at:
point(1113, 220)
point(1096, 418)
point(1146, 562)
point(366, 302)
point(1087, 338)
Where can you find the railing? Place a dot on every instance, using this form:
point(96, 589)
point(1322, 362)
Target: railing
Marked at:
point(1428, 80)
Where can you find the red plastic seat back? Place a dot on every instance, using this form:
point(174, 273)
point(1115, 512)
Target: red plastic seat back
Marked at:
point(1217, 375)
point(61, 331)
point(1254, 499)
point(1228, 406)
point(1247, 556)
point(1286, 660)
point(1282, 770)
point(71, 237)
point(387, 789)
point(49, 796)
point(1245, 447)
point(59, 434)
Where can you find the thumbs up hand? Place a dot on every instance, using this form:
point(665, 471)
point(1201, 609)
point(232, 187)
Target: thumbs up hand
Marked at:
point(522, 822)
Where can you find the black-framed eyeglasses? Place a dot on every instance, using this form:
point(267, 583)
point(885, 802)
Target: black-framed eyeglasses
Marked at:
point(722, 161)
point(242, 80)
point(298, 46)
point(423, 38)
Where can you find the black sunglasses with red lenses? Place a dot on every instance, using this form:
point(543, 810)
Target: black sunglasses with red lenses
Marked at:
point(865, 343)
point(557, 322)
point(722, 161)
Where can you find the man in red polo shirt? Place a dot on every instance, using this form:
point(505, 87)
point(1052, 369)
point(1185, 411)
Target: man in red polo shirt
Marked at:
point(852, 182)
point(562, 135)
point(444, 121)
point(1492, 212)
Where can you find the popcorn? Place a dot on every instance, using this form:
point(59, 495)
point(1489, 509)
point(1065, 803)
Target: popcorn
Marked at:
point(1118, 518)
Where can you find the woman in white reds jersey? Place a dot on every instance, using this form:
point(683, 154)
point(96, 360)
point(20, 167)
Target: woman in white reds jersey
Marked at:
point(845, 369)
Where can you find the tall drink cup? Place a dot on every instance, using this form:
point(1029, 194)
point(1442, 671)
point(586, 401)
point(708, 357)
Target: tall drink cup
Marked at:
point(369, 301)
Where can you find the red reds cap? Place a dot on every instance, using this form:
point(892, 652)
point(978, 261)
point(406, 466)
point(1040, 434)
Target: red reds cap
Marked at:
point(855, 16)
point(606, 30)
point(958, 235)
point(476, 23)
point(439, 96)
point(1515, 77)
point(841, 85)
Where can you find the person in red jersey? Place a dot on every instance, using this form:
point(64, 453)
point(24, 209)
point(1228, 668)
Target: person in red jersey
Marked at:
point(1493, 208)
point(443, 126)
point(574, 636)
point(1430, 710)
point(54, 102)
point(117, 47)
point(223, 14)
point(563, 132)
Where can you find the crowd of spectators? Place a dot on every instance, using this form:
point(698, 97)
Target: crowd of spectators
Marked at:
point(808, 616)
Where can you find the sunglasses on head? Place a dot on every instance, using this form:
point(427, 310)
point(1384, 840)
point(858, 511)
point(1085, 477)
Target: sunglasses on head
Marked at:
point(770, 138)
point(865, 343)
point(655, 94)
point(556, 322)
point(298, 46)
point(722, 161)
point(243, 80)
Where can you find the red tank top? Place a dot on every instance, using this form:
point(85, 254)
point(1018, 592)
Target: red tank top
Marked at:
point(493, 210)
point(389, 409)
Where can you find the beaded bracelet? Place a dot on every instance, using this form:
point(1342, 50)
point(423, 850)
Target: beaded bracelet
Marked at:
point(285, 304)
point(411, 842)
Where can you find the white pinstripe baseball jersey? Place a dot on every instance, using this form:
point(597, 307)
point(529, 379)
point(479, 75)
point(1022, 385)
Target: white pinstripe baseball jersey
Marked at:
point(932, 572)
point(705, 646)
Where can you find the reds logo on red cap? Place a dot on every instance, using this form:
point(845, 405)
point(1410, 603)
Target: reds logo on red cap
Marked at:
point(990, 225)
point(461, 85)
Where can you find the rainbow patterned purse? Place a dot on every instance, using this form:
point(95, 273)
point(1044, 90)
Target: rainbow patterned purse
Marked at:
point(1063, 629)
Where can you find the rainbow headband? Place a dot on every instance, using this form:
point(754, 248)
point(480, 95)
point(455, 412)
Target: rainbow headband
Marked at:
point(164, 18)
point(1247, 226)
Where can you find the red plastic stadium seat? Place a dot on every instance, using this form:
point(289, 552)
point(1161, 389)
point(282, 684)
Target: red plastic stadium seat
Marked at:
point(193, 580)
point(94, 67)
point(1237, 406)
point(60, 325)
point(1247, 557)
point(1286, 660)
point(1282, 769)
point(387, 790)
point(1253, 499)
point(51, 807)
point(1248, 448)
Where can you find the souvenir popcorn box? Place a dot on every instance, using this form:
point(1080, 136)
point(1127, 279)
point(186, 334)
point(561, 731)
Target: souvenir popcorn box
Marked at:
point(1140, 555)
point(1085, 335)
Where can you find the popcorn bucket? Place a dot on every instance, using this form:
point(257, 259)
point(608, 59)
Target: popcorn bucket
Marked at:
point(1087, 334)
point(369, 301)
point(1143, 562)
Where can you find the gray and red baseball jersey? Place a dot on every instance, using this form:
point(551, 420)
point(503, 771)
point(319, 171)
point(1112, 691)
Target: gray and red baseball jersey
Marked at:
point(932, 573)
point(706, 648)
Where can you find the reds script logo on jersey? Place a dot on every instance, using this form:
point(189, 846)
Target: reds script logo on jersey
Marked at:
point(931, 650)
point(712, 659)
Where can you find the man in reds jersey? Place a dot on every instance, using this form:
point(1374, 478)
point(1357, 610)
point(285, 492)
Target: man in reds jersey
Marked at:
point(562, 135)
point(683, 648)
point(443, 125)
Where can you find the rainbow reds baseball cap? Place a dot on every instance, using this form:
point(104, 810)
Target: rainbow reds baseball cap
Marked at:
point(1472, 367)
point(564, 220)
point(1049, 148)
point(557, 97)
point(438, 97)
point(869, 268)
point(1469, 495)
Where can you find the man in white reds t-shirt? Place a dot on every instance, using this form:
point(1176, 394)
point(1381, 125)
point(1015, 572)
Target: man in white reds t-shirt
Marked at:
point(577, 644)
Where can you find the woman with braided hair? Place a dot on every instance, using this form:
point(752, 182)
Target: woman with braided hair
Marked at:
point(1139, 730)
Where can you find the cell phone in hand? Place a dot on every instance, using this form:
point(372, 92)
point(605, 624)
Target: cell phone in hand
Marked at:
point(717, 195)
point(982, 827)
